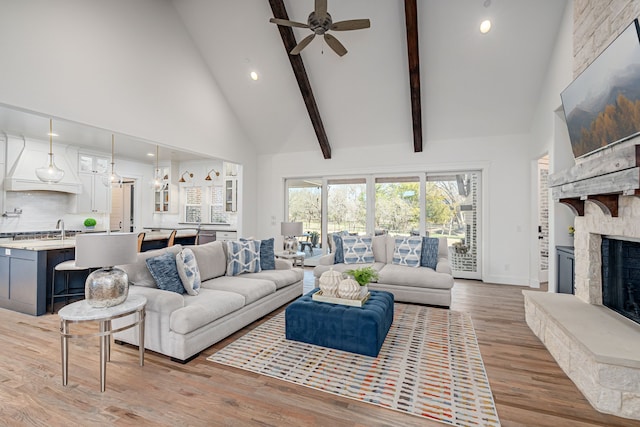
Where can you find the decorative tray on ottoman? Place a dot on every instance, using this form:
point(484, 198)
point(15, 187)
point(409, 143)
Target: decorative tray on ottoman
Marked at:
point(318, 296)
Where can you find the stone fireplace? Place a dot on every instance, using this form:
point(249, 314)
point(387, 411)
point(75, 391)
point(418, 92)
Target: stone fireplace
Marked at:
point(598, 347)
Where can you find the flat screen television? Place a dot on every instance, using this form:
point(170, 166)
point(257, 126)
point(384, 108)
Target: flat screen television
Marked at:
point(602, 105)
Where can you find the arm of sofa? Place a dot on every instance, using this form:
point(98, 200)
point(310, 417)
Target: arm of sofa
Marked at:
point(159, 301)
point(328, 259)
point(283, 264)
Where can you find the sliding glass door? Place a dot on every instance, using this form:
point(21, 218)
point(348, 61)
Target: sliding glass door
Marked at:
point(452, 211)
point(431, 204)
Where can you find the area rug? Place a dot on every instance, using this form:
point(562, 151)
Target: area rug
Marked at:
point(429, 365)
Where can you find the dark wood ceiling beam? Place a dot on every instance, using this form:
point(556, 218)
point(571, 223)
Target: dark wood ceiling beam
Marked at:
point(289, 41)
point(411, 18)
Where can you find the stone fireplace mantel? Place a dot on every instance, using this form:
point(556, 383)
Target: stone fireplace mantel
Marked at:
point(600, 178)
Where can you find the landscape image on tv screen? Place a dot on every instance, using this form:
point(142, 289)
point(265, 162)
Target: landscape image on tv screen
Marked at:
point(602, 105)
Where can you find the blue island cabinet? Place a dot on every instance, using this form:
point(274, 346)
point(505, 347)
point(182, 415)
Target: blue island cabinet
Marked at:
point(25, 278)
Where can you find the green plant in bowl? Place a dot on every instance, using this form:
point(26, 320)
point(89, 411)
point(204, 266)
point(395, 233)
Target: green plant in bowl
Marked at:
point(363, 275)
point(90, 222)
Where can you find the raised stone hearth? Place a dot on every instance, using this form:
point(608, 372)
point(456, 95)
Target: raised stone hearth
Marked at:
point(598, 348)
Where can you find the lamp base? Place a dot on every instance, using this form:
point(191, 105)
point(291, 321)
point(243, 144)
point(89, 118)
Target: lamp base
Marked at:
point(290, 245)
point(106, 287)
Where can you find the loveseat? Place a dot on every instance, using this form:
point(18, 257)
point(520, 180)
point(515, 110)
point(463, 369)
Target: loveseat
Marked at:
point(181, 325)
point(419, 284)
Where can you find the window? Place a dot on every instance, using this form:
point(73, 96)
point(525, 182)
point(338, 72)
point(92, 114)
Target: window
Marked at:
point(193, 204)
point(397, 206)
point(216, 205)
point(347, 205)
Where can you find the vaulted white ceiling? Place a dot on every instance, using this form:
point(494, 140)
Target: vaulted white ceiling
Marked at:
point(473, 85)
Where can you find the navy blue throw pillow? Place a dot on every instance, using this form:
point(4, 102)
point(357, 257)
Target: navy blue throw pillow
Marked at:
point(165, 272)
point(429, 255)
point(267, 256)
point(338, 257)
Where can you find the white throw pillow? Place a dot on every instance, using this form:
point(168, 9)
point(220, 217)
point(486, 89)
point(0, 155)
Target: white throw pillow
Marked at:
point(188, 271)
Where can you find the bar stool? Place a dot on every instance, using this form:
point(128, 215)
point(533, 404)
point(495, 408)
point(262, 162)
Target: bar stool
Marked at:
point(67, 267)
point(140, 240)
point(172, 238)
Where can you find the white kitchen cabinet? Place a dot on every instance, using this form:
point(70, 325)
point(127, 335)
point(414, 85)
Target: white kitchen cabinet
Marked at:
point(230, 194)
point(94, 196)
point(166, 198)
point(224, 236)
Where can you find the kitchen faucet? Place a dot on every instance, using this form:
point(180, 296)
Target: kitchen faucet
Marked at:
point(60, 225)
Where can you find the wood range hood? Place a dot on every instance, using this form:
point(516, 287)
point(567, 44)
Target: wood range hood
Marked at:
point(601, 178)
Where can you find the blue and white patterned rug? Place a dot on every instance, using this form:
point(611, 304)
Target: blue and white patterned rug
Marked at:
point(429, 365)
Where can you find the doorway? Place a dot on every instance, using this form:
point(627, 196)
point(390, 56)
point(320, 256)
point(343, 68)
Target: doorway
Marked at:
point(122, 206)
point(543, 219)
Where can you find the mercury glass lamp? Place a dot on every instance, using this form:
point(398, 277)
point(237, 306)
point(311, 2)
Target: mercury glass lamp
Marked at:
point(109, 285)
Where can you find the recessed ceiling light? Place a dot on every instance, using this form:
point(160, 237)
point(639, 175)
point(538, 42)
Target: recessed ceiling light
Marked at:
point(254, 75)
point(150, 154)
point(485, 26)
point(52, 134)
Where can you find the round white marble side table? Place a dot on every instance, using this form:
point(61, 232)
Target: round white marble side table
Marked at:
point(79, 312)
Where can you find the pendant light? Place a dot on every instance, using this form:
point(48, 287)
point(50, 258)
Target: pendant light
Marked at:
point(157, 179)
point(113, 178)
point(50, 173)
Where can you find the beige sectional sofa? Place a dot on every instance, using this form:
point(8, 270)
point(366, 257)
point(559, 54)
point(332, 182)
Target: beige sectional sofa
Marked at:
point(180, 326)
point(422, 285)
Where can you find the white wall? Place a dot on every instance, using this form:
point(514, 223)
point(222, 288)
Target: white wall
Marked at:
point(127, 66)
point(506, 200)
point(550, 136)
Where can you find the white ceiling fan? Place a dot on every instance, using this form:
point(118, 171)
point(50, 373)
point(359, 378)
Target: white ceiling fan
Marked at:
point(319, 21)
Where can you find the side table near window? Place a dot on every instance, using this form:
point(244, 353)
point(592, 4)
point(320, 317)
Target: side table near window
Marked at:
point(80, 312)
point(297, 258)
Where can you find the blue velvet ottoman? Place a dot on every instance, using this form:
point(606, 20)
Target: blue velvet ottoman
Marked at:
point(359, 330)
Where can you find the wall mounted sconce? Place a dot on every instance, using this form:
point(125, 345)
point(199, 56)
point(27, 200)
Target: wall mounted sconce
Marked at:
point(182, 176)
point(208, 178)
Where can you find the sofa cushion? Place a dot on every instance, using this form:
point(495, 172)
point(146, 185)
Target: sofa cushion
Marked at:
point(281, 278)
point(200, 310)
point(165, 272)
point(429, 255)
point(318, 270)
point(251, 289)
point(138, 272)
point(407, 251)
point(338, 249)
point(211, 259)
point(267, 255)
point(379, 248)
point(420, 277)
point(188, 271)
point(243, 257)
point(357, 250)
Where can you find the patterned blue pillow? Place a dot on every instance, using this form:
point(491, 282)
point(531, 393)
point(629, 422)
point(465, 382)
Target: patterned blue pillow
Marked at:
point(267, 256)
point(407, 251)
point(188, 271)
point(165, 273)
point(429, 256)
point(243, 257)
point(338, 257)
point(357, 250)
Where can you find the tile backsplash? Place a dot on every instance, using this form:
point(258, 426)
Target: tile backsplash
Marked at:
point(40, 211)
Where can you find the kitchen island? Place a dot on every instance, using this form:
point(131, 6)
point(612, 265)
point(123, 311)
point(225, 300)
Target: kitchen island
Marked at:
point(26, 272)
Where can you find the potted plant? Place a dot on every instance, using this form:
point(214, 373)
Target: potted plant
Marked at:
point(364, 276)
point(90, 223)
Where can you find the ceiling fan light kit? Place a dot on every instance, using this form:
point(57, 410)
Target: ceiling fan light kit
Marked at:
point(319, 22)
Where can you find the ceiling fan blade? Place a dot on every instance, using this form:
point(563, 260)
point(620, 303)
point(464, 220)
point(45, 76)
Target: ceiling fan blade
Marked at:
point(335, 44)
point(352, 24)
point(288, 23)
point(321, 8)
point(303, 43)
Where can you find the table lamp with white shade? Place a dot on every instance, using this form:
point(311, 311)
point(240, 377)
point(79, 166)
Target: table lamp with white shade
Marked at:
point(109, 285)
point(290, 230)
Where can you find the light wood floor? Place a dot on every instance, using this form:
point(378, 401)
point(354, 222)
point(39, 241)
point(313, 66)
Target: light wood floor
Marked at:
point(529, 388)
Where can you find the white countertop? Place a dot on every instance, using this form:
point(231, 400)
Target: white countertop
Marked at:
point(40, 245)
